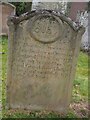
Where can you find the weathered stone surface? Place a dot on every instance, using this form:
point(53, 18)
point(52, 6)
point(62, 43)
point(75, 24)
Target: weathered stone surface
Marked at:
point(56, 5)
point(6, 10)
point(43, 49)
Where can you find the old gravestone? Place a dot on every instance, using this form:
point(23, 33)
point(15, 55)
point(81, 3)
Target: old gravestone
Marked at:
point(43, 50)
point(6, 9)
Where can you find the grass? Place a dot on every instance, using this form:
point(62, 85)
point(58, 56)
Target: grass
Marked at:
point(80, 88)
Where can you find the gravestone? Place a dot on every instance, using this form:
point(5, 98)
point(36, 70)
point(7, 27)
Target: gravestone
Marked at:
point(56, 5)
point(85, 42)
point(6, 9)
point(43, 50)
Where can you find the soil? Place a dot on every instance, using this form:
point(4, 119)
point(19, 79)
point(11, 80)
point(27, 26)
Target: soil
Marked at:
point(82, 109)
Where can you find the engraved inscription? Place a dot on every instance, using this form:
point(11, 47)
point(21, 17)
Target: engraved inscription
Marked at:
point(46, 28)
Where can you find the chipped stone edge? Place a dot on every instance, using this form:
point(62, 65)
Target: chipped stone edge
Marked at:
point(16, 20)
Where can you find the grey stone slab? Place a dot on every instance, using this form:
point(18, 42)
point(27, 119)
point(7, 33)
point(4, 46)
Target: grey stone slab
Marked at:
point(43, 50)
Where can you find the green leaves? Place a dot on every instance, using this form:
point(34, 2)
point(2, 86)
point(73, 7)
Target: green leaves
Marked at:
point(22, 7)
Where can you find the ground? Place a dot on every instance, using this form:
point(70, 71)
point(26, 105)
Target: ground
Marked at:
point(79, 103)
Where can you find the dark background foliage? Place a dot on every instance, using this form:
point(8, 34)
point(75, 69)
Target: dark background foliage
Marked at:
point(22, 7)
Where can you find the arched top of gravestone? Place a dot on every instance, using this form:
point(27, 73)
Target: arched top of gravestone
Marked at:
point(7, 4)
point(45, 25)
point(28, 15)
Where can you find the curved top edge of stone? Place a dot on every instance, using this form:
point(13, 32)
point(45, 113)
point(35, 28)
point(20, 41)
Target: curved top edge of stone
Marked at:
point(6, 3)
point(27, 15)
